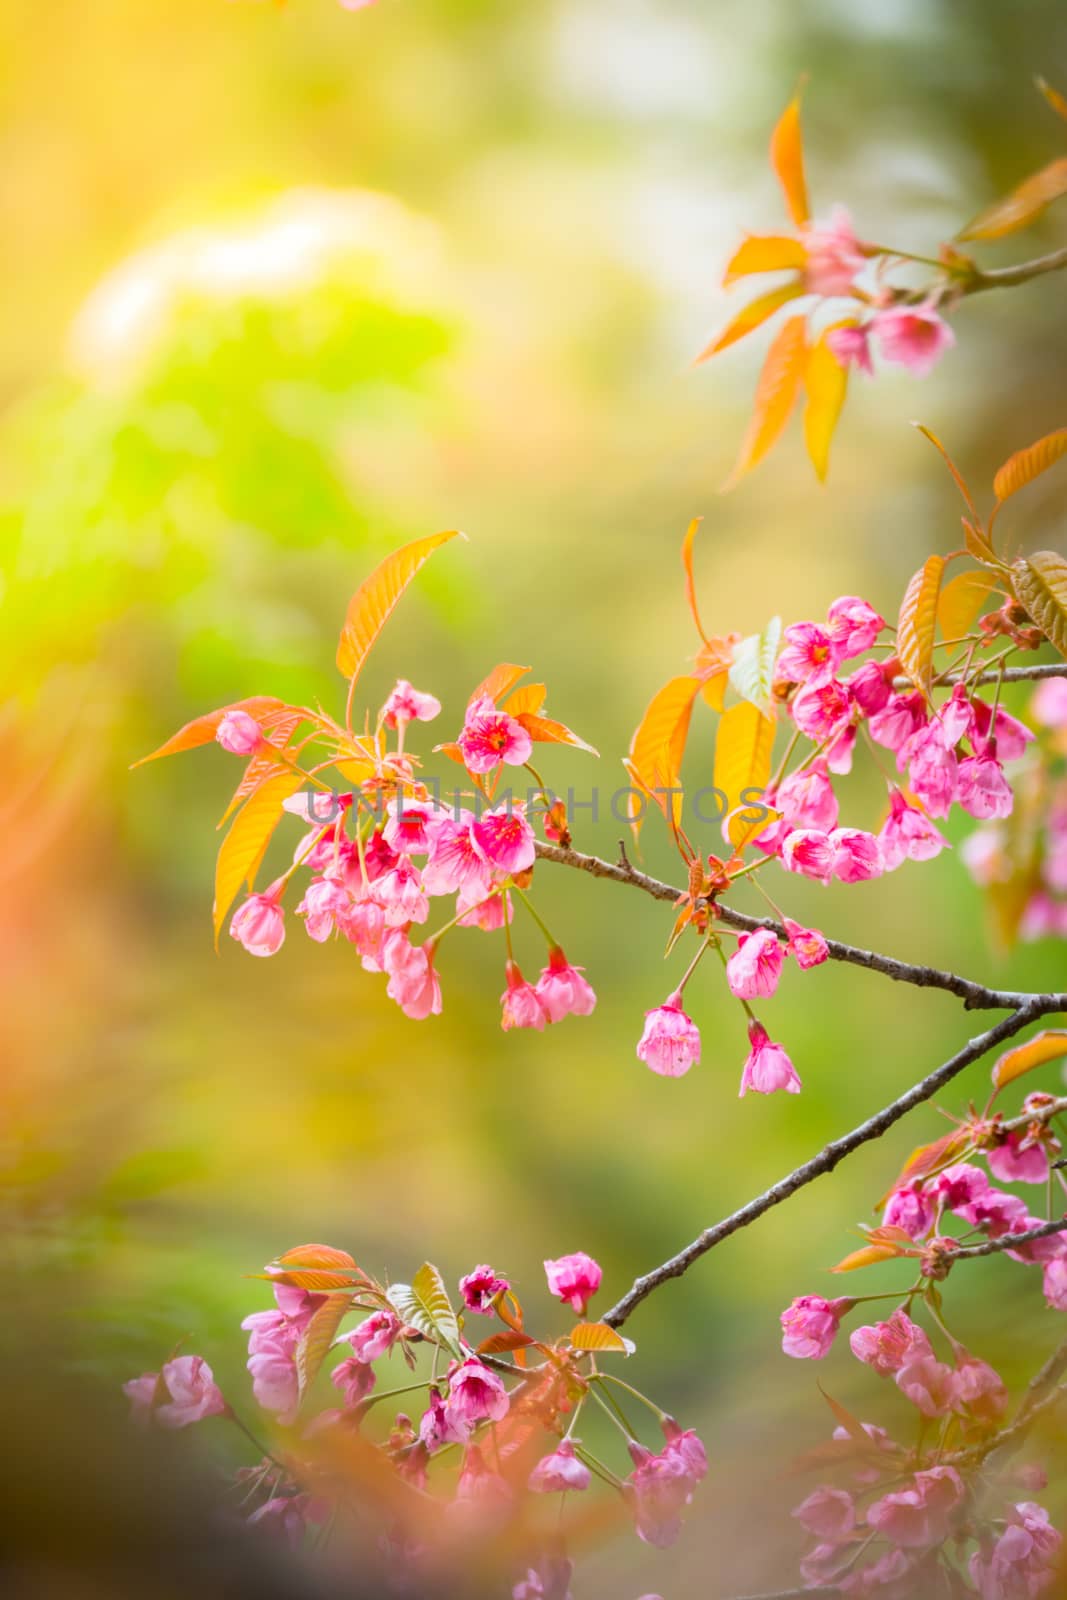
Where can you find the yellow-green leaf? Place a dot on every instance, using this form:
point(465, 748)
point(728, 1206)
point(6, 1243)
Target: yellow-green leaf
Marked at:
point(424, 1304)
point(1051, 1045)
point(1026, 465)
point(244, 847)
point(961, 599)
point(776, 394)
point(743, 749)
point(917, 622)
point(598, 1336)
point(764, 252)
point(826, 382)
point(1040, 584)
point(752, 670)
point(750, 317)
point(376, 598)
point(787, 159)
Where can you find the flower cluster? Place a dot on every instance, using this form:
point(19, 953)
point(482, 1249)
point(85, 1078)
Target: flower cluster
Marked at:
point(474, 1458)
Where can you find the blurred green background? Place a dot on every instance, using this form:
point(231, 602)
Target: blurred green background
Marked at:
point(286, 288)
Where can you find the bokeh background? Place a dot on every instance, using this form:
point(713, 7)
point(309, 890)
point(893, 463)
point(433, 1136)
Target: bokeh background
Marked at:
point(286, 287)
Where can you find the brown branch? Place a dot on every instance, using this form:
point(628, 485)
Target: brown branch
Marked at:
point(1008, 1241)
point(824, 1162)
point(1034, 674)
point(975, 996)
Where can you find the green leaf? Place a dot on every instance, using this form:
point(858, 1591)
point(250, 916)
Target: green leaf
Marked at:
point(598, 1336)
point(424, 1304)
point(752, 669)
point(1040, 584)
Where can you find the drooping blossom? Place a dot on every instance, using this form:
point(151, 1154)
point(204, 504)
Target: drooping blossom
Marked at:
point(481, 1492)
point(857, 855)
point(806, 798)
point(273, 1338)
point(767, 1067)
point(562, 990)
point(325, 906)
point(871, 686)
point(400, 893)
point(907, 834)
point(439, 1426)
point(259, 925)
point(410, 825)
point(184, 1392)
point(559, 1472)
point(1011, 735)
point(658, 1488)
point(549, 1580)
point(490, 737)
point(807, 944)
point(1019, 1159)
point(285, 1518)
point(854, 626)
point(810, 1324)
point(521, 1005)
point(933, 769)
point(687, 1446)
point(574, 1280)
point(355, 1378)
point(413, 980)
point(821, 709)
point(983, 791)
point(406, 704)
point(670, 1043)
point(921, 1515)
point(929, 1384)
point(239, 734)
point(851, 344)
point(753, 971)
point(475, 1394)
point(479, 1289)
point(979, 1388)
point(902, 716)
point(915, 337)
point(1054, 1283)
point(889, 1346)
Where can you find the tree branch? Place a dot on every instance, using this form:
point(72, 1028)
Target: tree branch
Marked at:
point(975, 996)
point(1009, 1241)
point(824, 1162)
point(1008, 277)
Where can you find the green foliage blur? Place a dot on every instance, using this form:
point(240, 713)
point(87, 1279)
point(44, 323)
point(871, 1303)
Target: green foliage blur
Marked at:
point(288, 287)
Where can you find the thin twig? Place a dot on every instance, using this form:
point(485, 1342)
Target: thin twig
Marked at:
point(1008, 277)
point(824, 1162)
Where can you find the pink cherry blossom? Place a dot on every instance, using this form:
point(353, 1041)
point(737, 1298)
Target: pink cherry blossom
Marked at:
point(827, 1513)
point(490, 737)
point(1023, 1561)
point(411, 825)
point(413, 981)
point(960, 1185)
point(810, 1324)
point(456, 864)
point(506, 839)
point(899, 720)
point(983, 791)
point(871, 686)
point(355, 1378)
point(274, 1336)
point(920, 1516)
point(142, 1393)
point(284, 1517)
point(439, 1426)
point(406, 704)
point(915, 337)
point(194, 1394)
point(753, 971)
point(854, 626)
point(851, 344)
point(1012, 736)
point(767, 1067)
point(574, 1280)
point(480, 1287)
point(475, 1394)
point(807, 944)
point(856, 855)
point(401, 895)
point(933, 769)
point(259, 924)
point(375, 1336)
point(658, 1488)
point(806, 799)
point(487, 912)
point(521, 1005)
point(908, 834)
point(670, 1043)
point(979, 1388)
point(822, 709)
point(325, 906)
point(562, 990)
point(929, 1384)
point(808, 654)
point(1019, 1159)
point(239, 733)
point(686, 1445)
point(559, 1472)
point(1054, 1283)
point(1049, 703)
point(833, 255)
point(809, 852)
point(889, 1346)
point(910, 1208)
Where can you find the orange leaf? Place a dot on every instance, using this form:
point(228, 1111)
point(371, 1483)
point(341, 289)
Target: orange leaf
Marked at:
point(598, 1336)
point(690, 586)
point(764, 252)
point(826, 381)
point(314, 1255)
point(742, 832)
point(743, 749)
point(776, 395)
point(884, 1244)
point(714, 690)
point(926, 1159)
point(1026, 465)
point(545, 730)
point(658, 745)
point(961, 599)
point(246, 843)
point(376, 598)
point(500, 680)
point(531, 697)
point(917, 622)
point(1054, 98)
point(1019, 208)
point(203, 729)
point(955, 471)
point(266, 763)
point(314, 1344)
point(787, 159)
point(751, 317)
point(1036, 1052)
point(498, 1344)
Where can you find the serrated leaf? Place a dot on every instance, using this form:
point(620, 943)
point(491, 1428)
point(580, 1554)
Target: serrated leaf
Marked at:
point(424, 1304)
point(826, 383)
point(1026, 465)
point(203, 729)
point(545, 730)
point(376, 598)
point(743, 749)
point(1040, 584)
point(979, 544)
point(314, 1344)
point(244, 847)
point(1051, 1045)
point(316, 1267)
point(658, 745)
point(1022, 206)
point(598, 1336)
point(787, 160)
point(497, 683)
point(506, 1340)
point(752, 670)
point(531, 697)
point(751, 317)
point(917, 622)
point(765, 252)
point(776, 394)
point(961, 599)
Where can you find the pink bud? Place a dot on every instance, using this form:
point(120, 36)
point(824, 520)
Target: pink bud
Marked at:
point(239, 733)
point(259, 924)
point(574, 1280)
point(670, 1043)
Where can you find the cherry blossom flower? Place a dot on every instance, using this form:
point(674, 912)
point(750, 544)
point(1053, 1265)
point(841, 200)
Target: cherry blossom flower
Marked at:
point(915, 337)
point(921, 1515)
point(889, 1346)
point(767, 1067)
point(808, 655)
point(413, 981)
point(559, 1472)
point(1019, 1159)
point(490, 737)
point(851, 344)
point(562, 990)
point(375, 1336)
point(929, 1384)
point(659, 1488)
point(821, 709)
point(856, 855)
point(983, 791)
point(184, 1392)
point(239, 733)
point(439, 1426)
point(833, 255)
point(506, 839)
point(411, 825)
point(274, 1336)
point(807, 944)
point(871, 686)
point(1054, 1283)
point(911, 1208)
point(284, 1518)
point(854, 626)
point(259, 924)
point(1049, 703)
point(979, 1388)
point(356, 1378)
point(521, 1005)
point(806, 798)
point(406, 704)
point(325, 906)
point(670, 1043)
point(457, 864)
point(1023, 1560)
point(933, 769)
point(907, 834)
point(475, 1394)
point(688, 1447)
point(574, 1280)
point(400, 893)
point(809, 852)
point(1011, 735)
point(480, 1287)
point(752, 972)
point(827, 1513)
point(902, 716)
point(810, 1324)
